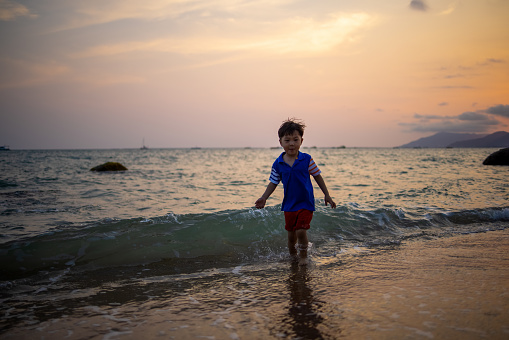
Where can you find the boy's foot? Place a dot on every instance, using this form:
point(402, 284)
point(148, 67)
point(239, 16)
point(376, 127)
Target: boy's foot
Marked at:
point(303, 261)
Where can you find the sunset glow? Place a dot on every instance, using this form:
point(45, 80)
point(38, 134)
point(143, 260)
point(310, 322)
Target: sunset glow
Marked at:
point(225, 73)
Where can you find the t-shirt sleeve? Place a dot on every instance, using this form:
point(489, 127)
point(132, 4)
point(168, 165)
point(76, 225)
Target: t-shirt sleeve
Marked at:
point(275, 177)
point(313, 168)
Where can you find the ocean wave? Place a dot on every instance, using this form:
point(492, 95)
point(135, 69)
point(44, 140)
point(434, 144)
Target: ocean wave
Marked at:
point(236, 235)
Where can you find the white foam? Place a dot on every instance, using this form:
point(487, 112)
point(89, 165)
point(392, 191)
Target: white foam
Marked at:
point(236, 270)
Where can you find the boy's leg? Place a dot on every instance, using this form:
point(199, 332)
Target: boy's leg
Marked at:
point(292, 239)
point(302, 237)
point(297, 224)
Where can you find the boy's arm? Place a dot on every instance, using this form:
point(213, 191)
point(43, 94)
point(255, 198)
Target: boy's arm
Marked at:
point(260, 203)
point(321, 183)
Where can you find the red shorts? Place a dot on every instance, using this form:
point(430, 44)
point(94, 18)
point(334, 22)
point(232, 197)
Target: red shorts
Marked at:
point(300, 219)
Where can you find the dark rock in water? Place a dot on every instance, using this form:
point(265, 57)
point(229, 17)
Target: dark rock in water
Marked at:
point(500, 157)
point(109, 166)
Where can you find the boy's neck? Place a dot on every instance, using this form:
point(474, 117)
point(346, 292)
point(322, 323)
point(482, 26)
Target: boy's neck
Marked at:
point(290, 159)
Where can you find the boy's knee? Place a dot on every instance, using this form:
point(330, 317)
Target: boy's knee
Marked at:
point(302, 235)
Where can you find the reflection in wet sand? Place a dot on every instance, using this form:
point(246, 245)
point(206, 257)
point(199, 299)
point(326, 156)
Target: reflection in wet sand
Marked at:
point(303, 312)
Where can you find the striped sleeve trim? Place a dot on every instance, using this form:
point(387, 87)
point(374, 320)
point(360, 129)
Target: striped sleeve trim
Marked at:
point(313, 168)
point(274, 177)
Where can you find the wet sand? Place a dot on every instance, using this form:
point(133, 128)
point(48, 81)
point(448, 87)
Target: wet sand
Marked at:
point(443, 288)
point(449, 288)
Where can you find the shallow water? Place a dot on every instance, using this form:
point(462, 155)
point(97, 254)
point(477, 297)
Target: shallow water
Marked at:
point(173, 246)
point(445, 288)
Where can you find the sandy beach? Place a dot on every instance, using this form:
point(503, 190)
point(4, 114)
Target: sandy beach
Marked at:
point(449, 288)
point(442, 288)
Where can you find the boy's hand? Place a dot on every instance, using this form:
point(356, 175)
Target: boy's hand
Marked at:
point(260, 203)
point(329, 200)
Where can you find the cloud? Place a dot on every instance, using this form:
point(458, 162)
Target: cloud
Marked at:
point(287, 36)
point(452, 76)
point(418, 5)
point(499, 110)
point(443, 104)
point(97, 12)
point(491, 61)
point(449, 87)
point(428, 117)
point(472, 70)
point(22, 73)
point(470, 121)
point(10, 10)
point(450, 9)
point(473, 116)
point(441, 8)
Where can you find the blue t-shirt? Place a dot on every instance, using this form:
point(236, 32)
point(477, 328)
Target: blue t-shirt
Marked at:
point(298, 190)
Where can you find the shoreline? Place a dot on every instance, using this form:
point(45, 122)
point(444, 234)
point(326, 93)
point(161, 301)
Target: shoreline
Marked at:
point(444, 288)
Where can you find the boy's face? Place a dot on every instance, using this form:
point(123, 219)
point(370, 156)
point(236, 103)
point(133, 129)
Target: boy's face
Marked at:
point(291, 143)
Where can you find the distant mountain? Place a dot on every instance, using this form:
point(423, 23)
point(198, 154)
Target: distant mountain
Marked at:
point(498, 139)
point(441, 140)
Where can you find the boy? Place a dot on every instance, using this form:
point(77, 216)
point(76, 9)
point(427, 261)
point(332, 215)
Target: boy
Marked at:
point(294, 169)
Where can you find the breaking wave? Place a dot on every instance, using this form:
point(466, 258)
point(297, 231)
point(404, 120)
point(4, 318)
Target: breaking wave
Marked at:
point(232, 236)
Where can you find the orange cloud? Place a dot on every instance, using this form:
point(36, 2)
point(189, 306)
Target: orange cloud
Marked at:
point(287, 36)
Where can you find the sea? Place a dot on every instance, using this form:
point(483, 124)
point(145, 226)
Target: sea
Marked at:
point(175, 248)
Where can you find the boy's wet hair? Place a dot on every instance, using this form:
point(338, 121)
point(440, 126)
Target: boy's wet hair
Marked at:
point(289, 126)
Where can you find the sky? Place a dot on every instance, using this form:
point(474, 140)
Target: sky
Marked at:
point(226, 73)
